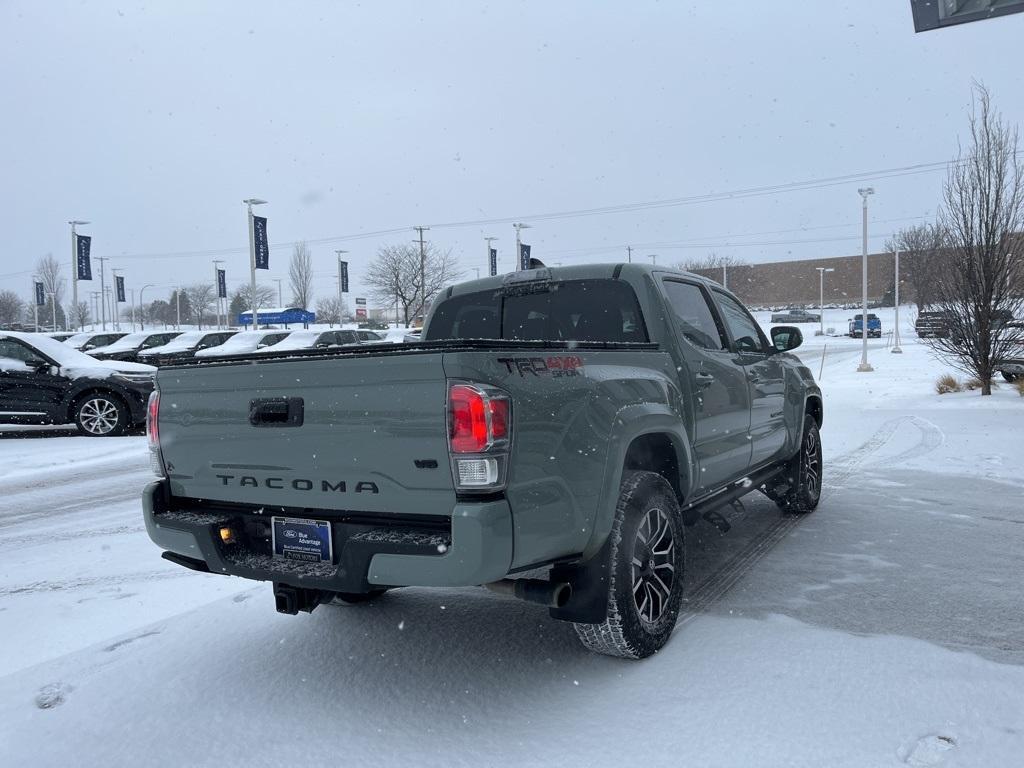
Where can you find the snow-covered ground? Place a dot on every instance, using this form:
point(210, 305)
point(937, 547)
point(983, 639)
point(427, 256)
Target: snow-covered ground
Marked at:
point(886, 629)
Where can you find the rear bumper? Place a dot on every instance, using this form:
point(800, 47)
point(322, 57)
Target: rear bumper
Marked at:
point(476, 549)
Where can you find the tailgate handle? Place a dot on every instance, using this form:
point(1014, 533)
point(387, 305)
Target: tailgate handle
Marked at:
point(276, 412)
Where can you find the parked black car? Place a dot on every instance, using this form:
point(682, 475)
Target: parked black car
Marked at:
point(43, 381)
point(127, 348)
point(83, 342)
point(184, 347)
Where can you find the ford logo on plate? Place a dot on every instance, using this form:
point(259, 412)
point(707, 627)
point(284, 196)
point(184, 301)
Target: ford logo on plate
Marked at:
point(290, 534)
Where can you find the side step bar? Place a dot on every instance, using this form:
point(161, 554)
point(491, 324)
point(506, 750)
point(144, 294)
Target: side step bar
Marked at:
point(704, 506)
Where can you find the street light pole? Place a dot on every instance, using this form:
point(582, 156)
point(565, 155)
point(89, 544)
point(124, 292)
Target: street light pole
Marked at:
point(53, 306)
point(103, 292)
point(216, 293)
point(250, 202)
point(35, 302)
point(341, 301)
point(519, 245)
point(865, 366)
point(133, 309)
point(280, 295)
point(142, 315)
point(821, 296)
point(896, 328)
point(653, 257)
point(74, 267)
point(115, 312)
point(489, 240)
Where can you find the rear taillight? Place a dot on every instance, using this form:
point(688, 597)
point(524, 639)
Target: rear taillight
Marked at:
point(156, 460)
point(479, 435)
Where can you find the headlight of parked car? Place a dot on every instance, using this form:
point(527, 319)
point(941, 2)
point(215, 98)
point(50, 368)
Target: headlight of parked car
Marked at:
point(135, 378)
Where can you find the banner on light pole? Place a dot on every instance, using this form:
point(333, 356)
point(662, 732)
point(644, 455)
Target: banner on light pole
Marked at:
point(83, 245)
point(40, 294)
point(119, 283)
point(494, 261)
point(222, 284)
point(524, 256)
point(344, 276)
point(259, 234)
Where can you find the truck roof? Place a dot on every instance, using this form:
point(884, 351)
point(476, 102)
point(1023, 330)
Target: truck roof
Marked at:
point(592, 271)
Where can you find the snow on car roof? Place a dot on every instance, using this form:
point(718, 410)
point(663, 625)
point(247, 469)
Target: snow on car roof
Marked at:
point(187, 340)
point(131, 341)
point(244, 341)
point(297, 340)
point(68, 357)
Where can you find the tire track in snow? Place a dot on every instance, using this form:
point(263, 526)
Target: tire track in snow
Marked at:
point(92, 581)
point(716, 586)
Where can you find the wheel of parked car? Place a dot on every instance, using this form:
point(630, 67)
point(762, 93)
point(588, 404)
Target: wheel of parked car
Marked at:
point(804, 472)
point(645, 586)
point(99, 414)
point(1011, 377)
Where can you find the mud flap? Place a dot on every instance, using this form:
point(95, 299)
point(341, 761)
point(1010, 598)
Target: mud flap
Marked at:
point(590, 583)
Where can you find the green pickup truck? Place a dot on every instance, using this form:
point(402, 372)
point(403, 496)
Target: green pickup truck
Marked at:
point(551, 437)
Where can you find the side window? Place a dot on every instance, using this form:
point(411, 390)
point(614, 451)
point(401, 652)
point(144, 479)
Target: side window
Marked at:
point(693, 314)
point(741, 325)
point(12, 350)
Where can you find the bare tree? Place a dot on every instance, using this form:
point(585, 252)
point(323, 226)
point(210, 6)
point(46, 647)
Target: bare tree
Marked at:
point(200, 300)
point(983, 212)
point(713, 261)
point(922, 250)
point(80, 315)
point(241, 299)
point(11, 307)
point(300, 276)
point(48, 272)
point(394, 276)
point(328, 311)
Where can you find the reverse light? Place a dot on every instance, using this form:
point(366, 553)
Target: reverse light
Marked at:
point(227, 535)
point(479, 435)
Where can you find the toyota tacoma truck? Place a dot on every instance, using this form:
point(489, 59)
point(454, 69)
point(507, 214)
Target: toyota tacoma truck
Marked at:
point(552, 436)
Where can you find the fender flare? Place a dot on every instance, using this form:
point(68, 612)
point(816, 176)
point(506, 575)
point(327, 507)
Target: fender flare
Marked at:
point(630, 422)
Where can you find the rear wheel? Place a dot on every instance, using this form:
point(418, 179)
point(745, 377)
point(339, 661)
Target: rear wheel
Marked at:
point(101, 415)
point(646, 571)
point(803, 474)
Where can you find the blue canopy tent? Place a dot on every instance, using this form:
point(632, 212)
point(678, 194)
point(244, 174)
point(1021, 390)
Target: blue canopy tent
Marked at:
point(278, 316)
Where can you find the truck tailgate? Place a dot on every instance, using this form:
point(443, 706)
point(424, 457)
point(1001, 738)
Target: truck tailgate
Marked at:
point(372, 438)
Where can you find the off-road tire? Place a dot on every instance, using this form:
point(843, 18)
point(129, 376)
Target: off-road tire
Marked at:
point(101, 414)
point(633, 629)
point(803, 474)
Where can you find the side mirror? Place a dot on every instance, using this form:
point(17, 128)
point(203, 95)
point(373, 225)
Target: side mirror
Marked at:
point(786, 338)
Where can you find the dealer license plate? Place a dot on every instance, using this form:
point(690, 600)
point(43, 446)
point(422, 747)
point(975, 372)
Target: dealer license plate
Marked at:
point(299, 539)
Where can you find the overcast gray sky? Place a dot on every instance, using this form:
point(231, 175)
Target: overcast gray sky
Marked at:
point(155, 120)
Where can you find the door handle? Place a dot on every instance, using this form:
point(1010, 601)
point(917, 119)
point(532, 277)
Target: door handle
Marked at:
point(704, 380)
point(276, 412)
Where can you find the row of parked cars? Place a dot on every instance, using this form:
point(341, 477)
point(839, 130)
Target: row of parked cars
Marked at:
point(168, 347)
point(101, 382)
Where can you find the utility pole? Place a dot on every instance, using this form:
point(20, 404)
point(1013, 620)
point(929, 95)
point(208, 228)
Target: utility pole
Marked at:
point(95, 297)
point(53, 306)
point(519, 245)
point(103, 292)
point(74, 265)
point(629, 254)
point(489, 240)
point(133, 309)
point(821, 296)
point(865, 366)
point(280, 295)
point(177, 308)
point(725, 277)
point(341, 301)
point(423, 273)
point(896, 328)
point(252, 260)
point(653, 257)
point(142, 321)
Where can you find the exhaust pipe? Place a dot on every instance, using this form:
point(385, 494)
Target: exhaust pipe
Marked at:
point(291, 600)
point(551, 594)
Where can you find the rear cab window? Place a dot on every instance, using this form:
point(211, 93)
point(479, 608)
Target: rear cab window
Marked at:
point(570, 310)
